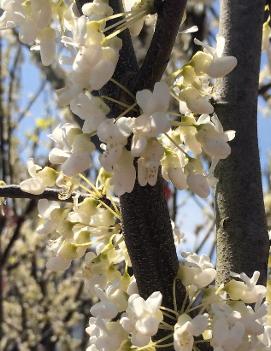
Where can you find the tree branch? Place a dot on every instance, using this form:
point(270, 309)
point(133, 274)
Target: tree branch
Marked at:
point(126, 70)
point(242, 240)
point(20, 220)
point(146, 221)
point(170, 14)
point(15, 192)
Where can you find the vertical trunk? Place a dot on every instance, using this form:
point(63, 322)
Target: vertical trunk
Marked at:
point(242, 240)
point(146, 221)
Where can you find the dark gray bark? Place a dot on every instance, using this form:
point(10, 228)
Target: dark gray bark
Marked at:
point(146, 221)
point(242, 240)
point(15, 192)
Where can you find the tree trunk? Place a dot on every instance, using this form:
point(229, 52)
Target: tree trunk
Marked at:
point(242, 240)
point(147, 228)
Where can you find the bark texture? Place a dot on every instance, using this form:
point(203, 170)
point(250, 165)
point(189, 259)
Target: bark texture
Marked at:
point(242, 240)
point(146, 221)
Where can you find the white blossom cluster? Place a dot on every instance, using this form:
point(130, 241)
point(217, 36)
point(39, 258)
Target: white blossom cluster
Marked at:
point(133, 147)
point(232, 317)
point(222, 317)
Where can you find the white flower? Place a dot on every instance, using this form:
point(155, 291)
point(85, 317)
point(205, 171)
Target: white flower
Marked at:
point(154, 120)
point(212, 137)
point(228, 330)
point(142, 317)
point(156, 101)
point(13, 14)
point(106, 336)
point(216, 65)
point(40, 178)
point(251, 317)
point(132, 287)
point(196, 270)
point(84, 211)
point(97, 10)
point(33, 19)
point(124, 174)
point(195, 101)
point(247, 290)
point(198, 183)
point(173, 169)
point(266, 35)
point(112, 301)
point(94, 63)
point(185, 330)
point(72, 149)
point(65, 252)
point(177, 234)
point(149, 162)
point(91, 109)
point(47, 38)
point(58, 264)
point(137, 6)
point(52, 215)
point(114, 134)
point(266, 337)
point(188, 135)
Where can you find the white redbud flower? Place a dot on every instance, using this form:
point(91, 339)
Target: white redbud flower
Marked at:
point(219, 64)
point(142, 317)
point(247, 289)
point(196, 270)
point(40, 178)
point(185, 330)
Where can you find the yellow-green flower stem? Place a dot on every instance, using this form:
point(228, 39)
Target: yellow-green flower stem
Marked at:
point(175, 113)
point(166, 325)
point(192, 300)
point(163, 339)
point(126, 111)
point(102, 203)
point(96, 191)
point(164, 345)
point(169, 310)
point(125, 26)
point(174, 296)
point(116, 211)
point(178, 146)
point(172, 93)
point(169, 316)
point(118, 241)
point(184, 303)
point(120, 22)
point(88, 243)
point(116, 15)
point(86, 189)
point(123, 88)
point(146, 347)
point(113, 203)
point(195, 308)
point(117, 215)
point(182, 124)
point(130, 18)
point(153, 344)
point(115, 101)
